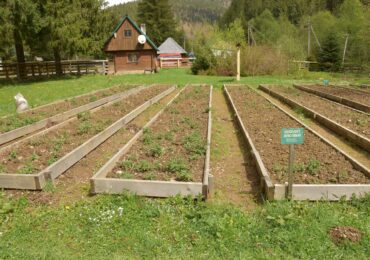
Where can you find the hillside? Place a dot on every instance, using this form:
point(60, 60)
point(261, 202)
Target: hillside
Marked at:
point(186, 11)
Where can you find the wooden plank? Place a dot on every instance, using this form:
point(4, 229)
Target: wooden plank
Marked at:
point(19, 132)
point(344, 101)
point(18, 181)
point(266, 182)
point(356, 164)
point(329, 192)
point(59, 167)
point(350, 135)
point(206, 173)
point(147, 188)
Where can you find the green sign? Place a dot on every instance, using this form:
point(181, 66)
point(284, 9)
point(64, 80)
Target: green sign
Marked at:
point(292, 135)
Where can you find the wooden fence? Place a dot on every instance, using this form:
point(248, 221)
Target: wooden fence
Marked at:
point(47, 68)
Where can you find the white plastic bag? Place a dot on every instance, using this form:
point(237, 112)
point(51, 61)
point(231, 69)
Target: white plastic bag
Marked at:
point(21, 103)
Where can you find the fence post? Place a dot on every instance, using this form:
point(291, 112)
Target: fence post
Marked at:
point(6, 71)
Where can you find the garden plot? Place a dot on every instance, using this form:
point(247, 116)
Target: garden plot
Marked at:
point(353, 98)
point(55, 151)
point(31, 116)
point(321, 170)
point(347, 122)
point(169, 156)
point(48, 122)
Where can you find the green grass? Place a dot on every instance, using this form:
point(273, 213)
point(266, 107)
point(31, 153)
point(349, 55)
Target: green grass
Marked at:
point(126, 227)
point(43, 92)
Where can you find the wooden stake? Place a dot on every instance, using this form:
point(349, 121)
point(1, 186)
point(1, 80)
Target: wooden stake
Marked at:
point(238, 65)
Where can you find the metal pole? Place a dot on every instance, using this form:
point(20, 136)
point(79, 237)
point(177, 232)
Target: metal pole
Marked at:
point(291, 171)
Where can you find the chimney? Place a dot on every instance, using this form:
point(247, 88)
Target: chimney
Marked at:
point(143, 28)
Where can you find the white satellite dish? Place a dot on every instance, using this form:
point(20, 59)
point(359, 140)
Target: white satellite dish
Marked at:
point(141, 39)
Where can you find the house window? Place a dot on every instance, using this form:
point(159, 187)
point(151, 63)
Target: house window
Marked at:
point(127, 33)
point(132, 58)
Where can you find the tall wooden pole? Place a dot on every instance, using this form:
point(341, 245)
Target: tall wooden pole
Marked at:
point(238, 64)
point(345, 50)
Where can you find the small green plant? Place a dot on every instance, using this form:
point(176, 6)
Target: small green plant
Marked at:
point(34, 157)
point(149, 176)
point(27, 169)
point(84, 116)
point(144, 166)
point(174, 111)
point(84, 127)
point(362, 122)
point(155, 151)
point(184, 176)
point(342, 175)
point(191, 123)
point(49, 187)
point(194, 144)
point(313, 166)
point(207, 110)
point(127, 165)
point(53, 158)
point(147, 136)
point(93, 98)
point(2, 168)
point(176, 166)
point(126, 175)
point(13, 154)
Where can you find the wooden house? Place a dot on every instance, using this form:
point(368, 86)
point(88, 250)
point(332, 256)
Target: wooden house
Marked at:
point(172, 55)
point(131, 48)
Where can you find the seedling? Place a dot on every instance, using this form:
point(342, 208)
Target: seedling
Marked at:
point(194, 144)
point(127, 165)
point(84, 128)
point(155, 150)
point(147, 137)
point(144, 166)
point(27, 169)
point(176, 166)
point(313, 166)
point(184, 176)
point(13, 154)
point(126, 175)
point(84, 116)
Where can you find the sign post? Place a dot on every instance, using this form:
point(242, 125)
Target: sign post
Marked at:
point(291, 136)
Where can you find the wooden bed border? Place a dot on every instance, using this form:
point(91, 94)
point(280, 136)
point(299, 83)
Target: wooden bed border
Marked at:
point(39, 180)
point(56, 119)
point(313, 192)
point(101, 184)
point(344, 101)
point(350, 135)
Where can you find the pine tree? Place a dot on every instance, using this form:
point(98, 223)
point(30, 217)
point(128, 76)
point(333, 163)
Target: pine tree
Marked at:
point(329, 56)
point(159, 19)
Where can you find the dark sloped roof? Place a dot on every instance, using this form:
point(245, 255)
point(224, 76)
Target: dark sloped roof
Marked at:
point(126, 17)
point(170, 46)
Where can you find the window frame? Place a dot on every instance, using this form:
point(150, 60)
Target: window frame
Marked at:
point(127, 30)
point(130, 61)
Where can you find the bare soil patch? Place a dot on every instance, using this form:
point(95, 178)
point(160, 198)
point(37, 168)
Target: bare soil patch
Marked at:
point(316, 162)
point(18, 120)
point(174, 147)
point(343, 234)
point(39, 152)
point(356, 121)
point(351, 94)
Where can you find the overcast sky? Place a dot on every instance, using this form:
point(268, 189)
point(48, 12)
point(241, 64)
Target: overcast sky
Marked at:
point(115, 2)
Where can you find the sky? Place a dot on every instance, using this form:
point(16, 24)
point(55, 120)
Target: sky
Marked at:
point(115, 2)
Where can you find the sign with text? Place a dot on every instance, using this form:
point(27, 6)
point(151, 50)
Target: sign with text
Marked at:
point(292, 135)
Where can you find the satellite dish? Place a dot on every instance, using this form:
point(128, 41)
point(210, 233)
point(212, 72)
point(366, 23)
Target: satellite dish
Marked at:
point(141, 39)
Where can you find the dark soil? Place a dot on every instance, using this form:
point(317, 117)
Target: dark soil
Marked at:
point(356, 121)
point(342, 234)
point(18, 120)
point(173, 148)
point(37, 153)
point(354, 95)
point(316, 162)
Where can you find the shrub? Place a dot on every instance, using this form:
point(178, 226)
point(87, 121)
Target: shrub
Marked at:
point(177, 166)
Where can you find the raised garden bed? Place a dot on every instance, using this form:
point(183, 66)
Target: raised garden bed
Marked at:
point(348, 97)
point(58, 118)
point(46, 157)
point(169, 156)
point(352, 124)
point(322, 171)
point(13, 121)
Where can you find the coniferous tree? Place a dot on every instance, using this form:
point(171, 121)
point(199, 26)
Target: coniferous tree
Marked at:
point(159, 19)
point(329, 56)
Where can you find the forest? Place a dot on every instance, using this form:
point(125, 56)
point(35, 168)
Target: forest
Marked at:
point(329, 33)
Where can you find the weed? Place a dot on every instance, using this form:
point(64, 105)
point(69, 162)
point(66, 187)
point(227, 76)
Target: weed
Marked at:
point(184, 176)
point(34, 157)
point(13, 154)
point(155, 150)
point(126, 175)
point(147, 136)
point(53, 159)
point(144, 166)
point(176, 166)
point(149, 176)
point(49, 187)
point(362, 122)
point(27, 169)
point(127, 165)
point(93, 98)
point(84, 127)
point(191, 123)
point(2, 168)
point(313, 166)
point(84, 116)
point(194, 144)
